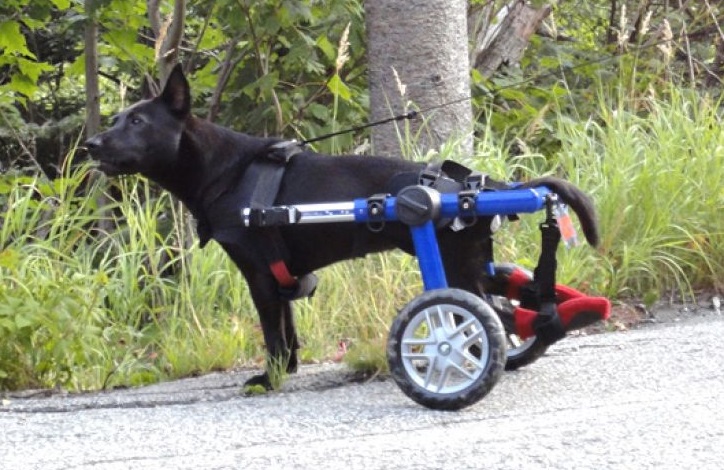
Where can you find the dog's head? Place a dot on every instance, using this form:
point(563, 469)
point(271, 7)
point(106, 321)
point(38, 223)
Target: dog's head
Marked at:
point(145, 137)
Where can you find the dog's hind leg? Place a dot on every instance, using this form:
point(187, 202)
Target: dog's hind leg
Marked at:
point(464, 257)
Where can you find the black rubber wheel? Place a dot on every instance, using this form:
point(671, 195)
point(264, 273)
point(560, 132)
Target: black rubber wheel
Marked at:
point(520, 352)
point(446, 349)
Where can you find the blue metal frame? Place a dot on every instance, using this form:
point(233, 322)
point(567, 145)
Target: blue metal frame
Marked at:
point(428, 256)
point(424, 237)
point(507, 202)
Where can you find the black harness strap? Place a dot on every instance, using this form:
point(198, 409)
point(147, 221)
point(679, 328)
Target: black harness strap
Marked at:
point(539, 294)
point(267, 174)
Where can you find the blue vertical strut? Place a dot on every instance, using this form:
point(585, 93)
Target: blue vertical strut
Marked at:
point(428, 256)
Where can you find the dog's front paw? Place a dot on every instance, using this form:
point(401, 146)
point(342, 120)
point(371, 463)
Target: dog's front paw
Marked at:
point(258, 385)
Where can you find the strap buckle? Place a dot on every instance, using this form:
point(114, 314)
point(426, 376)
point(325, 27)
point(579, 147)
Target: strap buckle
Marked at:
point(428, 177)
point(270, 216)
point(475, 181)
point(282, 152)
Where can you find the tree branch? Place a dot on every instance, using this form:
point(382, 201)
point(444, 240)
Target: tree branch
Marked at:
point(223, 78)
point(263, 66)
point(168, 36)
point(510, 38)
point(154, 16)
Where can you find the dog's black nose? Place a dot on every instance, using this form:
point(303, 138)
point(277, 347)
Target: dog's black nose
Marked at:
point(93, 143)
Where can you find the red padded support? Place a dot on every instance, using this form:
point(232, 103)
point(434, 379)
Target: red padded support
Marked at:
point(518, 278)
point(575, 313)
point(576, 309)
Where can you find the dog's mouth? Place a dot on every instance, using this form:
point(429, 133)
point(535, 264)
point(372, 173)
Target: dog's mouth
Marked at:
point(113, 167)
point(109, 166)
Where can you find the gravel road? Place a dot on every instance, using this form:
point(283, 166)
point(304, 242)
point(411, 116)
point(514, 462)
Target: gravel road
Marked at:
point(644, 398)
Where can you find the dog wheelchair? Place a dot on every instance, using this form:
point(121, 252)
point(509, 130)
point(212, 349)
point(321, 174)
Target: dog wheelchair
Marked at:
point(447, 348)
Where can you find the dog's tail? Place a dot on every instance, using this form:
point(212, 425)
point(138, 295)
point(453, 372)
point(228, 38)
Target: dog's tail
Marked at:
point(577, 200)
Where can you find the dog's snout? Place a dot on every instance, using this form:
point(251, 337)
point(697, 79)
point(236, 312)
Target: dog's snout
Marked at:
point(93, 143)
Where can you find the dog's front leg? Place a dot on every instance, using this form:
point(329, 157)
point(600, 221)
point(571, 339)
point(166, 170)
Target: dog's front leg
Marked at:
point(277, 324)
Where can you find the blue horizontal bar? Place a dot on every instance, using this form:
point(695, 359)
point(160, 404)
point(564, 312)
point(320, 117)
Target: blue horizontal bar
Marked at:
point(506, 202)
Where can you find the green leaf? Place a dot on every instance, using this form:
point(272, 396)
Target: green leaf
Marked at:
point(77, 67)
point(476, 77)
point(549, 62)
point(319, 111)
point(263, 85)
point(7, 325)
point(329, 50)
point(512, 94)
point(22, 322)
point(12, 41)
point(123, 44)
point(61, 4)
point(338, 88)
point(21, 84)
point(33, 24)
point(31, 69)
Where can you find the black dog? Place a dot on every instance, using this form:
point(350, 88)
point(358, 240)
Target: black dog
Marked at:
point(204, 165)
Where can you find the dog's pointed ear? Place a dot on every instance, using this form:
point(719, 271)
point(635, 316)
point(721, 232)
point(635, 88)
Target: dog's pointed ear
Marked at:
point(176, 94)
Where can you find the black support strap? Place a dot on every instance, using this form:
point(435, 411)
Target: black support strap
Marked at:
point(547, 325)
point(267, 174)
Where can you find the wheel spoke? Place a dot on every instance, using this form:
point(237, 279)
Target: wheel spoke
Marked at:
point(462, 370)
point(416, 356)
point(514, 340)
point(462, 327)
point(449, 324)
point(434, 321)
point(473, 338)
point(418, 341)
point(473, 360)
point(440, 317)
point(430, 371)
point(442, 380)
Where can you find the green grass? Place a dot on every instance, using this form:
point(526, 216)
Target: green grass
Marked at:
point(657, 179)
point(84, 309)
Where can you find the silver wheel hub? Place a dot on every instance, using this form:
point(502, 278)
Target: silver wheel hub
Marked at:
point(445, 349)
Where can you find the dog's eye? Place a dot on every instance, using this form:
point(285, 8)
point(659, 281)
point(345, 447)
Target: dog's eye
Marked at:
point(135, 120)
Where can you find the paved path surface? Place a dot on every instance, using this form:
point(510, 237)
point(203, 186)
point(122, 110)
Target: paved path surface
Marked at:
point(648, 398)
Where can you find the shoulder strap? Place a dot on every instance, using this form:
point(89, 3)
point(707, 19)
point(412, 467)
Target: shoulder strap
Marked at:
point(268, 173)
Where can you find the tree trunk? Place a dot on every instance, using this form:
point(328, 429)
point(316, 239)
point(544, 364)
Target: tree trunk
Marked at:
point(503, 41)
point(93, 105)
point(92, 94)
point(418, 60)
